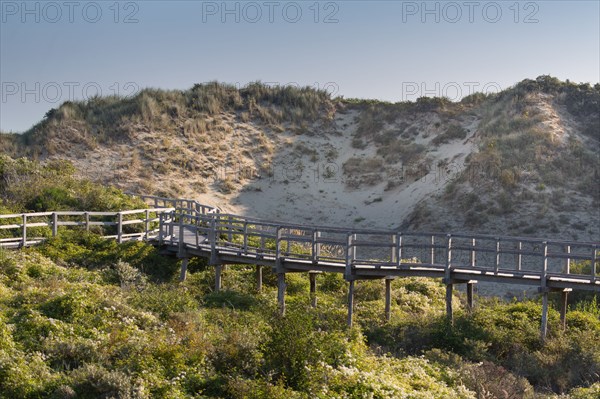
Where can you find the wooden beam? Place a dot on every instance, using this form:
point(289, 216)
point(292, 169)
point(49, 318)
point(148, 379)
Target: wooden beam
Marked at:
point(281, 293)
point(470, 296)
point(350, 301)
point(312, 276)
point(24, 237)
point(449, 311)
point(388, 299)
point(184, 265)
point(218, 270)
point(259, 278)
point(564, 295)
point(544, 326)
point(54, 224)
point(120, 228)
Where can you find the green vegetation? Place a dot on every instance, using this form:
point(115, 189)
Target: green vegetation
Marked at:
point(29, 186)
point(91, 318)
point(85, 317)
point(453, 132)
point(113, 119)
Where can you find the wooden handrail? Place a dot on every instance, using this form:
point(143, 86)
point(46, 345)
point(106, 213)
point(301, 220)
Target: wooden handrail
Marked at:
point(215, 232)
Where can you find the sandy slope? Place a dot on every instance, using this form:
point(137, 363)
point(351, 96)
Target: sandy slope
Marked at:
point(310, 197)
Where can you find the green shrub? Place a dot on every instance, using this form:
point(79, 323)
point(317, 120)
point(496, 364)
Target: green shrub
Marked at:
point(453, 132)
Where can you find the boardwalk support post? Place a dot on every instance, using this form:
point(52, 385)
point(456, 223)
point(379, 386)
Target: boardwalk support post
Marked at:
point(259, 280)
point(564, 296)
point(218, 271)
point(312, 276)
point(388, 299)
point(281, 293)
point(350, 301)
point(470, 285)
point(184, 265)
point(544, 327)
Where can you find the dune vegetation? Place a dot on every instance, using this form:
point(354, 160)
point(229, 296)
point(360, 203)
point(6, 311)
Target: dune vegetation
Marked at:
point(84, 317)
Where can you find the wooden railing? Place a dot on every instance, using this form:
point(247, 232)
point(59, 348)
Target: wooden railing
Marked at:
point(372, 253)
point(25, 229)
point(188, 228)
point(179, 203)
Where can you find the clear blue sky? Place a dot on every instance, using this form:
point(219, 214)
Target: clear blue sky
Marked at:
point(51, 52)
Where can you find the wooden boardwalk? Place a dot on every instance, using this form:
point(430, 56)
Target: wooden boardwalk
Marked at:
point(188, 229)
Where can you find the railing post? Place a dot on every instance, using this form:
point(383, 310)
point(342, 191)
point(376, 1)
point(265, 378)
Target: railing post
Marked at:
point(544, 291)
point(120, 228)
point(399, 248)
point(593, 264)
point(394, 252)
point(181, 235)
point(388, 299)
point(316, 246)
point(497, 263)
point(147, 225)
point(567, 268)
point(87, 221)
point(280, 271)
point(350, 256)
point(54, 224)
point(278, 235)
point(448, 280)
point(196, 230)
point(473, 257)
point(348, 274)
point(432, 249)
point(170, 225)
point(520, 256)
point(246, 239)
point(24, 237)
point(229, 228)
point(161, 224)
point(212, 237)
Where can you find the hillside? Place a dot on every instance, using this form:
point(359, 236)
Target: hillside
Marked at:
point(524, 161)
point(85, 317)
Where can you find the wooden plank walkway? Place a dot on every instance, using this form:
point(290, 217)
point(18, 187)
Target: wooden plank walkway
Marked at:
point(187, 229)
